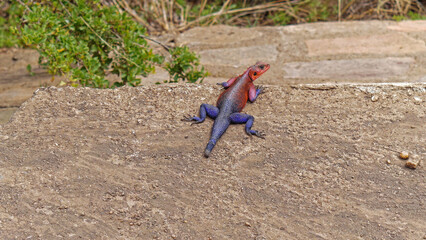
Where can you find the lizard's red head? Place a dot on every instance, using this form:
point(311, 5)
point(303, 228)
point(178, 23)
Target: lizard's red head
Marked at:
point(258, 69)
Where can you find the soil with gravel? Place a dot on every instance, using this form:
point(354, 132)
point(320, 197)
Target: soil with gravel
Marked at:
point(119, 164)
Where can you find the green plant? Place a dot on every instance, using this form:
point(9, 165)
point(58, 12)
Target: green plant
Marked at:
point(399, 18)
point(317, 11)
point(416, 16)
point(86, 41)
point(184, 64)
point(281, 18)
point(11, 16)
point(411, 16)
point(30, 70)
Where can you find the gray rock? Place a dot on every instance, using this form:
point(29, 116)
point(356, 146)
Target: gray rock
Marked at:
point(410, 26)
point(354, 69)
point(390, 43)
point(237, 57)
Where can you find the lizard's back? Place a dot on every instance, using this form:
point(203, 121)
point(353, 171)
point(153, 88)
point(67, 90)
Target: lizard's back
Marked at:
point(235, 97)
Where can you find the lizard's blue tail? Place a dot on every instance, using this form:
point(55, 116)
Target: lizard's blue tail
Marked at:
point(209, 147)
point(219, 127)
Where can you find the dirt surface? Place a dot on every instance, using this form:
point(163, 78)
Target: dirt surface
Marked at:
point(119, 164)
point(342, 100)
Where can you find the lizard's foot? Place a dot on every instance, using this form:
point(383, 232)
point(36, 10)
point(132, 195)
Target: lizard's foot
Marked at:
point(223, 84)
point(187, 118)
point(256, 133)
point(261, 89)
point(194, 119)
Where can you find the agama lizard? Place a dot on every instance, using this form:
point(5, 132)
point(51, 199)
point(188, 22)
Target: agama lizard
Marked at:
point(230, 103)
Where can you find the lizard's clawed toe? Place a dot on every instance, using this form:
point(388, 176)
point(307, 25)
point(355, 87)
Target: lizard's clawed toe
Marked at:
point(260, 134)
point(257, 134)
point(187, 118)
point(196, 122)
point(261, 88)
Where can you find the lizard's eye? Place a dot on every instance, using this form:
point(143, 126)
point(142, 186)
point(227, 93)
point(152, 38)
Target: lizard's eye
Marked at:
point(255, 73)
point(262, 67)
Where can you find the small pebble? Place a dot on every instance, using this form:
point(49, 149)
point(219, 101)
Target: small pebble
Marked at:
point(417, 100)
point(374, 98)
point(388, 162)
point(247, 224)
point(4, 137)
point(404, 155)
point(413, 163)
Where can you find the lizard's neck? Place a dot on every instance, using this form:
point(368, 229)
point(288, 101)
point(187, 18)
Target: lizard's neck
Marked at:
point(246, 75)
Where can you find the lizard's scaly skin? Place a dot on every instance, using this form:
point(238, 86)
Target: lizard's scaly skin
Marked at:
point(230, 103)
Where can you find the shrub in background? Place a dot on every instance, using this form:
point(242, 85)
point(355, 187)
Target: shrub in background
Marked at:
point(86, 40)
point(10, 17)
point(184, 65)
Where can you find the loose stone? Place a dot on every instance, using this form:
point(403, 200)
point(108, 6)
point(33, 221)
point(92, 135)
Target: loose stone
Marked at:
point(417, 100)
point(413, 163)
point(404, 155)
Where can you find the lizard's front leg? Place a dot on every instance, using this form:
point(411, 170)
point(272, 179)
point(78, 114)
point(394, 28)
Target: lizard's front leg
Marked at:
point(254, 92)
point(228, 83)
point(205, 109)
point(248, 120)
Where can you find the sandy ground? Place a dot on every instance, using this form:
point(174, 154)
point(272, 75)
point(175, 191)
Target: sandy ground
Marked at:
point(119, 164)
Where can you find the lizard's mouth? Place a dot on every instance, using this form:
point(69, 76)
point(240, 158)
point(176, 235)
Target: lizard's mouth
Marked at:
point(251, 78)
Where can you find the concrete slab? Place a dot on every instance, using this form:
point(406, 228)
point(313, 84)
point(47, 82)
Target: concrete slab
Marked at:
point(354, 69)
point(16, 83)
point(239, 57)
point(409, 26)
point(387, 44)
point(6, 114)
point(308, 43)
point(337, 29)
point(217, 36)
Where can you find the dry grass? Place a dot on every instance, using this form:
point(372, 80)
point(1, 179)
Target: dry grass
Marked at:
point(380, 9)
point(160, 16)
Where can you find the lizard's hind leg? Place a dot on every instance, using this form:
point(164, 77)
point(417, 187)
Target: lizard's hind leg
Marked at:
point(205, 109)
point(248, 120)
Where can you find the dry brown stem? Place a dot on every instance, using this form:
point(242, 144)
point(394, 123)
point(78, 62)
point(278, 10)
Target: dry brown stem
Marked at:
point(169, 16)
